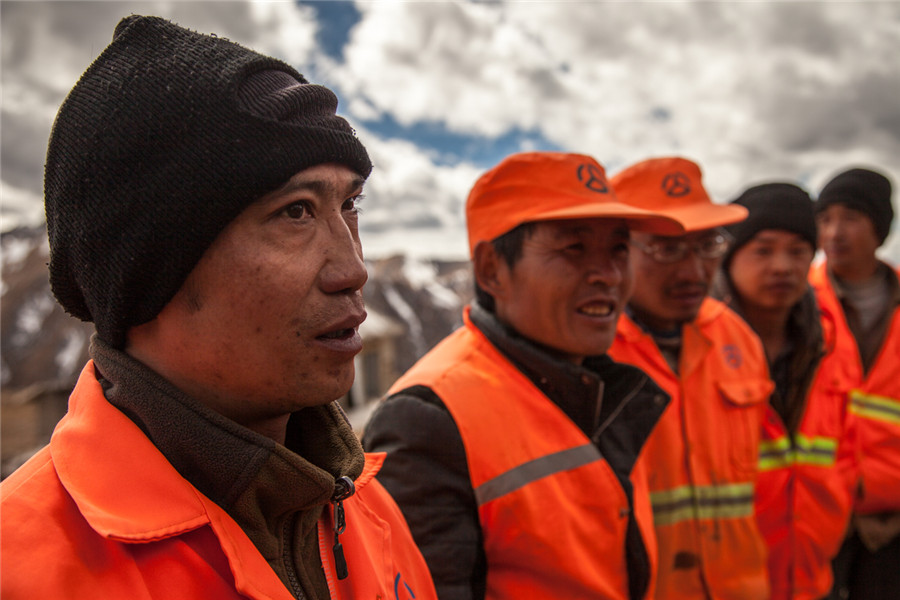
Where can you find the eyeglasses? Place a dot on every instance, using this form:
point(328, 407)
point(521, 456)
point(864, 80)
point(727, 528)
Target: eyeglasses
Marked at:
point(664, 250)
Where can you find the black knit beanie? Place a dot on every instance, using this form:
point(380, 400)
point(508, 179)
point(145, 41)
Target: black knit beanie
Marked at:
point(782, 206)
point(163, 141)
point(866, 191)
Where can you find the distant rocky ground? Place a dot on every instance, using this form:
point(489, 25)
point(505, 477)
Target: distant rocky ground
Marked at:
point(42, 349)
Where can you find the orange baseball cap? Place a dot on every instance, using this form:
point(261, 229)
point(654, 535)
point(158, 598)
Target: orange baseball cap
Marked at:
point(546, 186)
point(672, 186)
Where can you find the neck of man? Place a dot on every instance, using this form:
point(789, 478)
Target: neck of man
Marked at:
point(653, 325)
point(857, 272)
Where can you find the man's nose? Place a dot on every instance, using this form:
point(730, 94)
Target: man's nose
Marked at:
point(344, 269)
point(692, 266)
point(781, 262)
point(603, 269)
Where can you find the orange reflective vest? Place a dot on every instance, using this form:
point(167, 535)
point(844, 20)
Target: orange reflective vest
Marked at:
point(701, 459)
point(100, 513)
point(552, 512)
point(804, 494)
point(875, 400)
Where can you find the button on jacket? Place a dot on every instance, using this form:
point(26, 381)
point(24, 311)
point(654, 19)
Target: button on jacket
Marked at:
point(701, 459)
point(100, 513)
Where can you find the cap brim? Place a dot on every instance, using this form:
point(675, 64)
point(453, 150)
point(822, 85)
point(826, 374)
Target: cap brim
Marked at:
point(706, 216)
point(639, 219)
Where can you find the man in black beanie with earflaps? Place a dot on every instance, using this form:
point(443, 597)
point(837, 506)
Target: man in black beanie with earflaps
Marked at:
point(201, 207)
point(854, 214)
point(808, 454)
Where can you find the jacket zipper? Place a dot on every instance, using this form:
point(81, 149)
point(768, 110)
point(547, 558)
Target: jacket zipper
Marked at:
point(343, 489)
point(289, 560)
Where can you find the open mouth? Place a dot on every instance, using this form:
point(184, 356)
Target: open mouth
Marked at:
point(598, 309)
point(342, 340)
point(338, 334)
point(345, 328)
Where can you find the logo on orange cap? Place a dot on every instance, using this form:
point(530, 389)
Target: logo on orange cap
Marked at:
point(593, 178)
point(676, 184)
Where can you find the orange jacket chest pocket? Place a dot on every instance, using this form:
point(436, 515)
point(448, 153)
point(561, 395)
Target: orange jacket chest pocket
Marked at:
point(744, 404)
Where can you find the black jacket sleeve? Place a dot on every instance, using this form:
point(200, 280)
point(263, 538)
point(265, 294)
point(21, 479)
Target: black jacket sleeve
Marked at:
point(427, 474)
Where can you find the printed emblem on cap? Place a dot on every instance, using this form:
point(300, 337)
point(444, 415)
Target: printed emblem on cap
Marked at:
point(676, 184)
point(592, 178)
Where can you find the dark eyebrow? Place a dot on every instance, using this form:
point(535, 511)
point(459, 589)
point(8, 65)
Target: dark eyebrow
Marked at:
point(623, 231)
point(320, 186)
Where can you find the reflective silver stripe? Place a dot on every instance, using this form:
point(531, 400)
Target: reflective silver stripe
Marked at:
point(533, 470)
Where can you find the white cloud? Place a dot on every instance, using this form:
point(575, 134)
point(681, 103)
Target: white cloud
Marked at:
point(743, 88)
point(464, 65)
point(754, 91)
point(21, 207)
point(413, 205)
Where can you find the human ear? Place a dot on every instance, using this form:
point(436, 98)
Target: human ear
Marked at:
point(489, 268)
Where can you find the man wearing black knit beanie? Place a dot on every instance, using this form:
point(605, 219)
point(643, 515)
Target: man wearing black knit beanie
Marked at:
point(854, 214)
point(805, 486)
point(201, 206)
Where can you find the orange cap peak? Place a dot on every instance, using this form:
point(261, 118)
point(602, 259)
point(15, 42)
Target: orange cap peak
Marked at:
point(672, 186)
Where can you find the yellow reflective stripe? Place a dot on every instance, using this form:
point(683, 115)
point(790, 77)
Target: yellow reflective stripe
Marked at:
point(774, 454)
point(871, 406)
point(778, 453)
point(728, 501)
point(818, 450)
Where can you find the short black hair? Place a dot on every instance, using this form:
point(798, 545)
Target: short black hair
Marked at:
point(509, 247)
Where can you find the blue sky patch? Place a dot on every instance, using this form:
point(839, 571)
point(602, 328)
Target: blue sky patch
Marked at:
point(449, 147)
point(336, 19)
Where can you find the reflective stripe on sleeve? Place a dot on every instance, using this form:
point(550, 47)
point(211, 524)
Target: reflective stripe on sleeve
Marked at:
point(879, 408)
point(778, 453)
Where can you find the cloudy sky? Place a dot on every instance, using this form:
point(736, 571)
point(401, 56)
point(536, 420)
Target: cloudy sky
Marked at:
point(441, 91)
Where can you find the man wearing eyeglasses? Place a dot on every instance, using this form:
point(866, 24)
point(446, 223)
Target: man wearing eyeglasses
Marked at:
point(701, 458)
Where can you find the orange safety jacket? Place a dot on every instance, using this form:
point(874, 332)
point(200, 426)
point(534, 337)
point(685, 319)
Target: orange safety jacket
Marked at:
point(804, 494)
point(552, 512)
point(701, 459)
point(100, 513)
point(875, 400)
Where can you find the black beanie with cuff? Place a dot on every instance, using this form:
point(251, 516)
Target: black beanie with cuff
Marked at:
point(864, 190)
point(783, 206)
point(164, 140)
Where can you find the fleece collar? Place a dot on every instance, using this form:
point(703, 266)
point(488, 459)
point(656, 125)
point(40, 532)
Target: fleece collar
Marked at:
point(138, 477)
